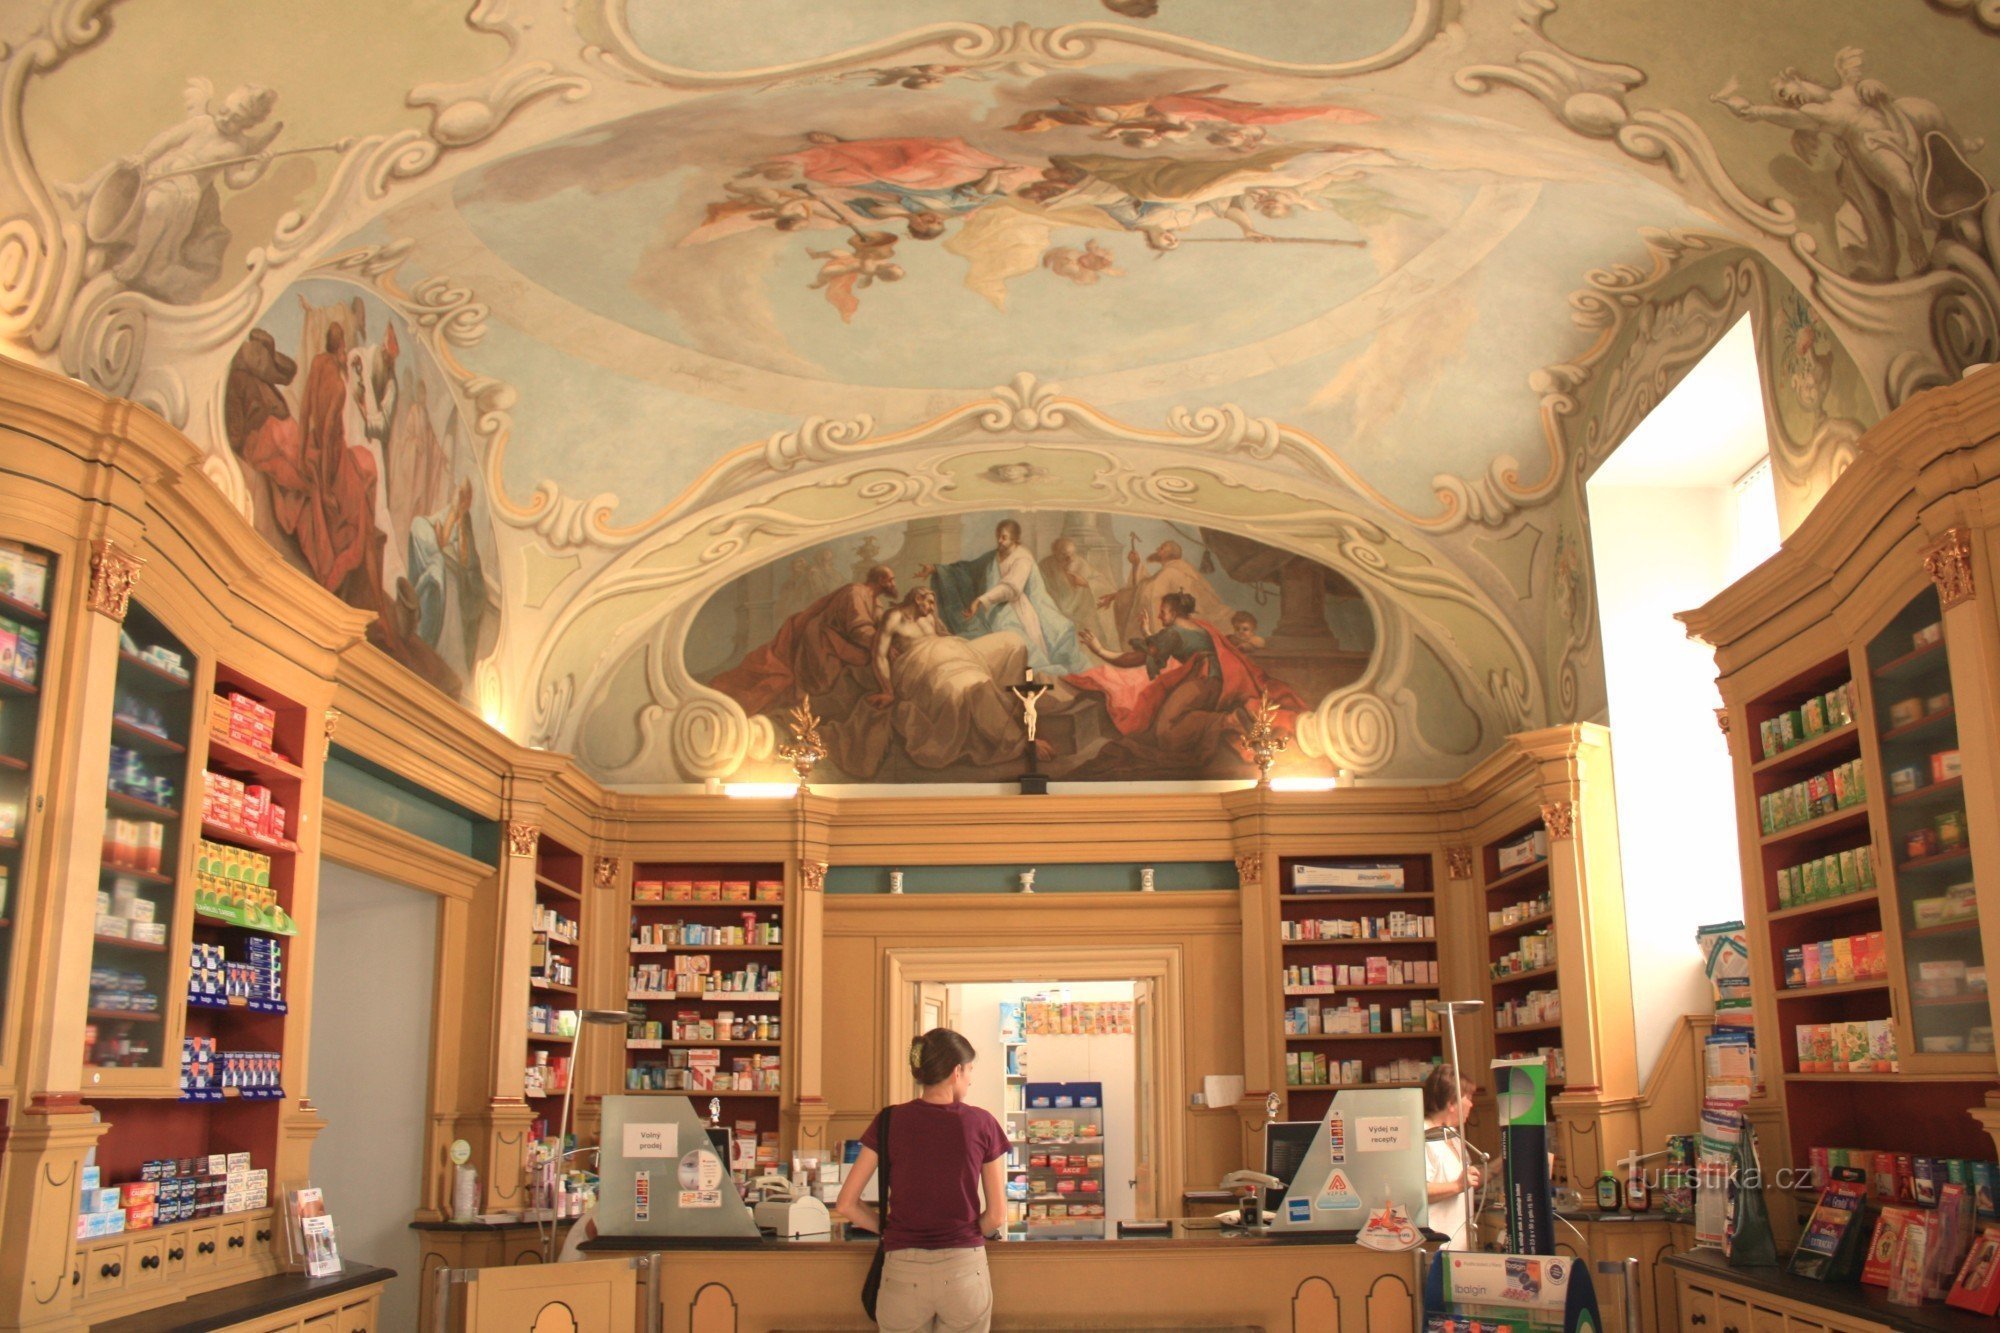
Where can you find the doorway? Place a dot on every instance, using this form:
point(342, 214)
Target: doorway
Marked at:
point(1062, 1075)
point(371, 1060)
point(1060, 1028)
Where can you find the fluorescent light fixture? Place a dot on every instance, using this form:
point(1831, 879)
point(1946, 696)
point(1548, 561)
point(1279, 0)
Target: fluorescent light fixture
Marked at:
point(1304, 784)
point(760, 790)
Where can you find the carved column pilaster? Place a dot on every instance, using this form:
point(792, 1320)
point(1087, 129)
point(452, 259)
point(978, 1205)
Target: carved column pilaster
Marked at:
point(1949, 563)
point(805, 978)
point(112, 575)
point(42, 1161)
point(1458, 863)
point(522, 838)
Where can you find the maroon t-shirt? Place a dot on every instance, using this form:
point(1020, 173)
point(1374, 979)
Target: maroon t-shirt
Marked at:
point(936, 1151)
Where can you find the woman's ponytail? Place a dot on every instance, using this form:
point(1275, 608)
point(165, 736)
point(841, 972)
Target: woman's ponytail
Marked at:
point(937, 1053)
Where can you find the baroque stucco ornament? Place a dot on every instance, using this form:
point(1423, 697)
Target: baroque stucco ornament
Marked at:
point(1458, 863)
point(1939, 209)
point(1558, 817)
point(1249, 869)
point(604, 874)
point(812, 876)
point(131, 329)
point(1017, 47)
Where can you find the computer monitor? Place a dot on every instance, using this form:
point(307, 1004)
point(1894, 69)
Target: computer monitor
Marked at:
point(1285, 1145)
point(1368, 1150)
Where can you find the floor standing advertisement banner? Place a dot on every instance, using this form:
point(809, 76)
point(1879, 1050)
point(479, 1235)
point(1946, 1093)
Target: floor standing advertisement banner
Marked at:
point(1521, 1094)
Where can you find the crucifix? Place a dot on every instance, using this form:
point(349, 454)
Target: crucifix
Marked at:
point(1033, 782)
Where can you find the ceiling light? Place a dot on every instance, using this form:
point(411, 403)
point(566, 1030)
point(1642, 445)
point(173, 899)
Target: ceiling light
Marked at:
point(1304, 784)
point(760, 790)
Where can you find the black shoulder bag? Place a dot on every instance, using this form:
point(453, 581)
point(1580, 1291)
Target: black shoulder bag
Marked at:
point(872, 1288)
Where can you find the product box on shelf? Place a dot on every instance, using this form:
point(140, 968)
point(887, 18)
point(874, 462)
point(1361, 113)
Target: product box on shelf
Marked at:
point(24, 575)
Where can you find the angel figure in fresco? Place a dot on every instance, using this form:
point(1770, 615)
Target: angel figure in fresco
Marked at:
point(845, 271)
point(1161, 198)
point(154, 218)
point(1901, 170)
point(1084, 266)
point(1148, 122)
point(914, 77)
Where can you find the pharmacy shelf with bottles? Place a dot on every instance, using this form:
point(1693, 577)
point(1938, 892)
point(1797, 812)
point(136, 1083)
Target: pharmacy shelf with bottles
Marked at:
point(555, 952)
point(27, 579)
point(1359, 942)
point(707, 1009)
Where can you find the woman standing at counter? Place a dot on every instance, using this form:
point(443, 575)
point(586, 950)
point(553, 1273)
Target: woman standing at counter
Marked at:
point(943, 1154)
point(1449, 1174)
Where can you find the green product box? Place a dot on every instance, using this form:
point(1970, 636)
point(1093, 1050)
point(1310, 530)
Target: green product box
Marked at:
point(1849, 873)
point(1786, 897)
point(1864, 866)
point(1767, 738)
point(1815, 881)
point(1812, 717)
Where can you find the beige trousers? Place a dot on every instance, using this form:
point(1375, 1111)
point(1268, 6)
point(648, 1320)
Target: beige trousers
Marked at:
point(934, 1291)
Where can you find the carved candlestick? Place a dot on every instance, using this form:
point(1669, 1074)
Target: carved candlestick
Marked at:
point(804, 749)
point(1266, 741)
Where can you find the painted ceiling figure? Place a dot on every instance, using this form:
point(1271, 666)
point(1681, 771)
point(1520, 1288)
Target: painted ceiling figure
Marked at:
point(1003, 591)
point(1076, 585)
point(155, 217)
point(1162, 197)
point(826, 651)
point(1888, 148)
point(942, 692)
point(1133, 605)
point(1147, 122)
point(1179, 694)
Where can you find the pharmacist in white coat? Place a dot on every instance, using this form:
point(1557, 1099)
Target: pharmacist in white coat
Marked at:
point(1449, 1174)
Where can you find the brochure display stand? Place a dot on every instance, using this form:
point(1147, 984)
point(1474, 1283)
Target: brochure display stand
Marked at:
point(1520, 1094)
point(1529, 1293)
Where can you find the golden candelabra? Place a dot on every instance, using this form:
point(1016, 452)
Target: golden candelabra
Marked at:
point(1266, 741)
point(804, 749)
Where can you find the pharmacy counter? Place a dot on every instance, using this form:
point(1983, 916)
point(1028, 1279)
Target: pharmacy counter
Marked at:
point(344, 1303)
point(479, 1245)
point(1715, 1297)
point(1195, 1277)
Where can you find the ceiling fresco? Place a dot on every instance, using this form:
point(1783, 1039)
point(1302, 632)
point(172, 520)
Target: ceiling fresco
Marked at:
point(640, 305)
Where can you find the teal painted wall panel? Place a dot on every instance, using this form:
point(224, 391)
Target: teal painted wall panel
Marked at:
point(1063, 877)
point(362, 785)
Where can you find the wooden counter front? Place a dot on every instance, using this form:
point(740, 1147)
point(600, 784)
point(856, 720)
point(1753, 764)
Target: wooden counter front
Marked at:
point(1197, 1278)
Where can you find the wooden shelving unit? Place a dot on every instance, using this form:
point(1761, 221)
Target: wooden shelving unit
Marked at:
point(1398, 971)
point(29, 576)
point(1900, 693)
point(1523, 970)
point(134, 1032)
point(689, 921)
point(555, 975)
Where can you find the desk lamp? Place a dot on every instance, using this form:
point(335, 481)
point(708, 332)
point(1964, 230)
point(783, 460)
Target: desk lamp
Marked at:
point(586, 1018)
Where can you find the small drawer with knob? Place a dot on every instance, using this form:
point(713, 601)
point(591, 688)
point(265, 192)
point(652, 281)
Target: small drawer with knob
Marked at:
point(359, 1317)
point(174, 1254)
point(204, 1247)
point(235, 1237)
point(104, 1270)
point(145, 1260)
